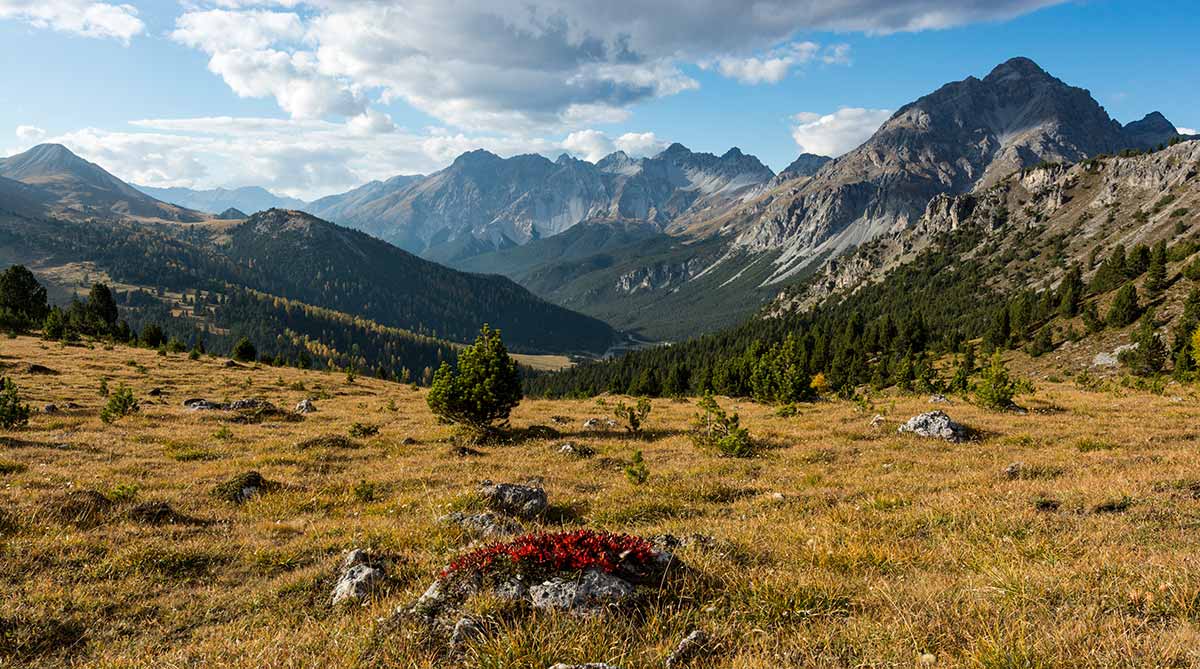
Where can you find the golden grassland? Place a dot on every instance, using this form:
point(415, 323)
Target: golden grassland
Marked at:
point(841, 545)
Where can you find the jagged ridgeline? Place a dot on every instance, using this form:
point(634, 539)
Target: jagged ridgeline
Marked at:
point(1042, 258)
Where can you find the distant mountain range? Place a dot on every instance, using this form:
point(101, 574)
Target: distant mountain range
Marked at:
point(249, 199)
point(483, 202)
point(291, 280)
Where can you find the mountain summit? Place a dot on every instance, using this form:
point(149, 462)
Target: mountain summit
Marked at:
point(85, 186)
point(965, 134)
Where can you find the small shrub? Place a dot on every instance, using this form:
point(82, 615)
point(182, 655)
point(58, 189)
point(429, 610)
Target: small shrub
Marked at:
point(120, 404)
point(123, 492)
point(637, 472)
point(715, 429)
point(482, 389)
point(12, 412)
point(103, 391)
point(633, 416)
point(995, 388)
point(223, 433)
point(1089, 445)
point(363, 430)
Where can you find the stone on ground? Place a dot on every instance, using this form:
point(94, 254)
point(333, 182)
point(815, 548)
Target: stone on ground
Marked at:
point(936, 425)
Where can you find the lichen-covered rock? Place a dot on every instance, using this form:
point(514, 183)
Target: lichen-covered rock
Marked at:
point(358, 577)
point(513, 499)
point(936, 425)
point(590, 592)
point(306, 406)
point(1014, 470)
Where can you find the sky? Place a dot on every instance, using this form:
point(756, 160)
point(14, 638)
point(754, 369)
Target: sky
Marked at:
point(314, 97)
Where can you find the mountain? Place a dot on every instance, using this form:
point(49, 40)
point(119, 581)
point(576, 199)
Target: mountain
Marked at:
point(250, 198)
point(483, 202)
point(805, 165)
point(232, 214)
point(966, 133)
point(85, 187)
point(20, 198)
point(1024, 264)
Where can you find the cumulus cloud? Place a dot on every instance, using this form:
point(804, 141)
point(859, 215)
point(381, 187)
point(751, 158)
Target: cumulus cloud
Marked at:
point(81, 17)
point(1187, 131)
point(30, 133)
point(520, 66)
point(592, 145)
point(836, 133)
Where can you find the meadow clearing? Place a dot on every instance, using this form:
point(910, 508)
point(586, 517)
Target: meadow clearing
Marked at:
point(841, 544)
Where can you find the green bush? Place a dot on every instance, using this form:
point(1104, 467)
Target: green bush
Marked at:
point(996, 389)
point(482, 389)
point(633, 416)
point(717, 430)
point(12, 412)
point(363, 430)
point(244, 351)
point(120, 404)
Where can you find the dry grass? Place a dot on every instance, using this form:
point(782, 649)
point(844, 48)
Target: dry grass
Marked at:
point(881, 549)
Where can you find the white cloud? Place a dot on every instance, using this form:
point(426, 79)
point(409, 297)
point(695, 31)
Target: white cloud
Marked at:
point(640, 143)
point(82, 17)
point(836, 133)
point(516, 66)
point(1187, 131)
point(30, 133)
point(592, 145)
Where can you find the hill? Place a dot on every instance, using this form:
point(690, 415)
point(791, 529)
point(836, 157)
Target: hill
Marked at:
point(85, 188)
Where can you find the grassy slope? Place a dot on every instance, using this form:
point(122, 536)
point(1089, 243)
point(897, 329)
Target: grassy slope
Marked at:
point(882, 547)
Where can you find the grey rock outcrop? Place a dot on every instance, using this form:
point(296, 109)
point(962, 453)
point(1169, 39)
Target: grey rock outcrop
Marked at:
point(512, 499)
point(483, 525)
point(587, 593)
point(358, 577)
point(935, 425)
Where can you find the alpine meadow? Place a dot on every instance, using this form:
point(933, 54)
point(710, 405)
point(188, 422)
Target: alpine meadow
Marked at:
point(564, 335)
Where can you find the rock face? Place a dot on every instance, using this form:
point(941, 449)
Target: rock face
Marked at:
point(966, 134)
point(358, 577)
point(513, 499)
point(936, 425)
point(588, 593)
point(484, 202)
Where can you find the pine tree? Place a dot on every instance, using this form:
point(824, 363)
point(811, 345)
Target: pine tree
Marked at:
point(1156, 273)
point(1124, 309)
point(482, 389)
point(22, 299)
point(102, 307)
point(1070, 293)
point(1150, 355)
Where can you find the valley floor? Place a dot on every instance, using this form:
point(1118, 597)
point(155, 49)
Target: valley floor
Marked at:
point(842, 545)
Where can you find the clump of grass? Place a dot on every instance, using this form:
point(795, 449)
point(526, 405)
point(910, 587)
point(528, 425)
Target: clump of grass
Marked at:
point(10, 467)
point(181, 452)
point(1114, 505)
point(242, 487)
point(327, 441)
point(1091, 445)
point(1046, 503)
point(366, 491)
point(123, 492)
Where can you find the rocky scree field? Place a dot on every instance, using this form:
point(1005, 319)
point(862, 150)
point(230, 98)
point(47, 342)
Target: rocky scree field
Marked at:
point(222, 532)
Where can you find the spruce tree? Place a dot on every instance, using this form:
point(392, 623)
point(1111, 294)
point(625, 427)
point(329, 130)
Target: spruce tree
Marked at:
point(1070, 292)
point(1156, 273)
point(22, 299)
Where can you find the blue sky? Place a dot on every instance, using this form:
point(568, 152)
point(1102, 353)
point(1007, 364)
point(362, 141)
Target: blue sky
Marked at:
point(314, 97)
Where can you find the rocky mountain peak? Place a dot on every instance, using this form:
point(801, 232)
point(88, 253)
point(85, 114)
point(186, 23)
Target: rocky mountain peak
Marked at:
point(1017, 68)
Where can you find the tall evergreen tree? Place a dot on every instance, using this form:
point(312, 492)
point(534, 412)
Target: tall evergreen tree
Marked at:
point(1124, 308)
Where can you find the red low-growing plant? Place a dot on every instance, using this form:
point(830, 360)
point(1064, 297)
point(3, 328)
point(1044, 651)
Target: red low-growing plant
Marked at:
point(549, 552)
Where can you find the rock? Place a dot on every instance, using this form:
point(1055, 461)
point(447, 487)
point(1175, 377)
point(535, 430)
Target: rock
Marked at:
point(358, 578)
point(514, 589)
point(589, 665)
point(433, 597)
point(465, 631)
point(938, 399)
point(34, 368)
point(777, 497)
point(877, 421)
point(249, 404)
point(935, 424)
point(50, 408)
point(599, 424)
point(484, 525)
point(575, 450)
point(588, 593)
point(231, 363)
point(669, 542)
point(688, 648)
point(513, 499)
point(155, 392)
point(1014, 470)
point(306, 406)
point(560, 420)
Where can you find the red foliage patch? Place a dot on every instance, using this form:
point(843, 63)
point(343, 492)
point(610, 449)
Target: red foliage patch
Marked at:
point(549, 552)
